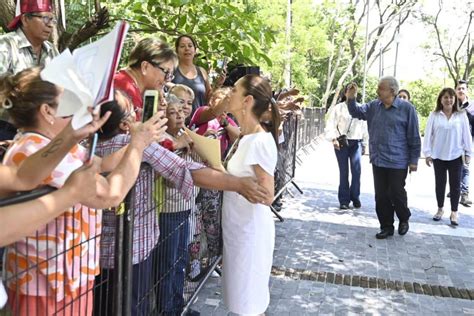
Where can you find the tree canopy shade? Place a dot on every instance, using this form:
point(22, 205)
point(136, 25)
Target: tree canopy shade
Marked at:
point(451, 39)
point(326, 46)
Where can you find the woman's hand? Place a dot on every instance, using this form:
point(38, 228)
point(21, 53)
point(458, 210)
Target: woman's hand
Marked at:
point(219, 81)
point(351, 91)
point(183, 141)
point(428, 161)
point(252, 190)
point(335, 143)
point(211, 132)
point(82, 183)
point(88, 129)
point(143, 134)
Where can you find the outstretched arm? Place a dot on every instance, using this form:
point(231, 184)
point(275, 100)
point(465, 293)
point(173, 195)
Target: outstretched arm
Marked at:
point(28, 176)
point(112, 189)
point(20, 220)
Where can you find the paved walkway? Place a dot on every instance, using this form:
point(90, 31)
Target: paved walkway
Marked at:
point(327, 261)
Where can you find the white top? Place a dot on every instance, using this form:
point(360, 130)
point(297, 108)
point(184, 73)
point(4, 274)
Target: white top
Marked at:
point(447, 139)
point(338, 117)
point(248, 231)
point(3, 295)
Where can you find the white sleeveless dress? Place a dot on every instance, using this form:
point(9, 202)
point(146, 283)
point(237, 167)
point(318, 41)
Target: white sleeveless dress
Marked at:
point(248, 231)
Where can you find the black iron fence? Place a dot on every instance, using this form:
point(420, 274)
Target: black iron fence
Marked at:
point(149, 256)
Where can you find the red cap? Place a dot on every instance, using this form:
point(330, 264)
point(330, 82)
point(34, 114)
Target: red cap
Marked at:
point(29, 6)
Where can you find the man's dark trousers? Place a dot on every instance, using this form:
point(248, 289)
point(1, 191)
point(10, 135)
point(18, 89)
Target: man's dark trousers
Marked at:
point(390, 195)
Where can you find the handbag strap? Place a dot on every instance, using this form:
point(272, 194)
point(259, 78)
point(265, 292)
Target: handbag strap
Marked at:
point(348, 129)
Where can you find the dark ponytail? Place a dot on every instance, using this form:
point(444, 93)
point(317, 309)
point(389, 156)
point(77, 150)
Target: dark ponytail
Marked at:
point(261, 91)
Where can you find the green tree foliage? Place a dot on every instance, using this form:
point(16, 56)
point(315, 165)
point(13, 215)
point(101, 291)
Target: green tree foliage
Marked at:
point(222, 28)
point(423, 95)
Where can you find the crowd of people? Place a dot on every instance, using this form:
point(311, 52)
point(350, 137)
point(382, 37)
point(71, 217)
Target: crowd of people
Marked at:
point(60, 248)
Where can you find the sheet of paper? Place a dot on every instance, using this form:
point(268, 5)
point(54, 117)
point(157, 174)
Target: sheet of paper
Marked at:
point(86, 75)
point(62, 72)
point(208, 149)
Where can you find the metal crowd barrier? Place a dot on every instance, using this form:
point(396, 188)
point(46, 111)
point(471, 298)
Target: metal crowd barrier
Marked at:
point(149, 256)
point(299, 132)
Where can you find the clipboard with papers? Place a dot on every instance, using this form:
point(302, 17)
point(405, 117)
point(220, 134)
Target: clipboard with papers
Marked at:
point(208, 149)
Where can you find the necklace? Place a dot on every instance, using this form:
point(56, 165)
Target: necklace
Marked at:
point(232, 150)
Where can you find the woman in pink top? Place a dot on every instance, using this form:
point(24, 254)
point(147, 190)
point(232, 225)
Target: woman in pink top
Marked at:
point(212, 120)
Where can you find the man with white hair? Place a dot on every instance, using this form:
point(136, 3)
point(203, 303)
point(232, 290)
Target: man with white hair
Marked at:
point(395, 144)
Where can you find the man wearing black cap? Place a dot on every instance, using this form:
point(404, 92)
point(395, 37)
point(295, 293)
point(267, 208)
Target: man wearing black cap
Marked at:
point(465, 104)
point(27, 45)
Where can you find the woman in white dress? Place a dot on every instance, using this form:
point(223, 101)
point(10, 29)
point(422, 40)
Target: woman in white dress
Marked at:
point(248, 229)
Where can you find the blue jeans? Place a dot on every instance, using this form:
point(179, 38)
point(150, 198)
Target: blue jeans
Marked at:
point(465, 179)
point(352, 154)
point(172, 258)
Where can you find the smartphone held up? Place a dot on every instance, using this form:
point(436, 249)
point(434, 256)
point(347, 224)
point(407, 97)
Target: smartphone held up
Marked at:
point(150, 104)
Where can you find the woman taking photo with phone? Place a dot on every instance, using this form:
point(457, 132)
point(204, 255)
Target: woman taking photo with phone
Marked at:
point(349, 138)
point(150, 66)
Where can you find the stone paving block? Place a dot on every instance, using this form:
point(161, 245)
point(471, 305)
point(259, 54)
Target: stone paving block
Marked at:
point(464, 294)
point(381, 284)
point(417, 288)
point(338, 279)
point(390, 285)
point(347, 280)
point(355, 280)
point(454, 292)
point(330, 277)
point(427, 290)
point(444, 291)
point(436, 290)
point(408, 287)
point(471, 293)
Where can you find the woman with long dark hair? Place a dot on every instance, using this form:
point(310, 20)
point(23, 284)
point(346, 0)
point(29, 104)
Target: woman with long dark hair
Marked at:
point(341, 125)
point(447, 143)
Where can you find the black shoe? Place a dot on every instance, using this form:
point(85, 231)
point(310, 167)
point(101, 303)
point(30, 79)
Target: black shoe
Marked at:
point(192, 312)
point(384, 233)
point(465, 200)
point(357, 204)
point(344, 207)
point(403, 228)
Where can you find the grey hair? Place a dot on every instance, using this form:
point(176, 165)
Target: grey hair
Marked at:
point(171, 99)
point(392, 83)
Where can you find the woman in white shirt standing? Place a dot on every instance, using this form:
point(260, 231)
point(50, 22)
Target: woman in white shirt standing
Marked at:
point(340, 122)
point(447, 142)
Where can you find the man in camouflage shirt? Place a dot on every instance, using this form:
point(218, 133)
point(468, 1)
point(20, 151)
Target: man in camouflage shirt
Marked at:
point(27, 45)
